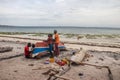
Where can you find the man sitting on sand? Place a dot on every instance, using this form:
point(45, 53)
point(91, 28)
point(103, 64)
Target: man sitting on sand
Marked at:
point(27, 51)
point(57, 41)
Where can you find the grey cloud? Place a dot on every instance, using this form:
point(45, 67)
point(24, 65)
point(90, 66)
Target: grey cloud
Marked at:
point(74, 12)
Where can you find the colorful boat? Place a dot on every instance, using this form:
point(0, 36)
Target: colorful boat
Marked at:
point(42, 48)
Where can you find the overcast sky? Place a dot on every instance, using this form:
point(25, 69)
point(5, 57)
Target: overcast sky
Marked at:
point(88, 13)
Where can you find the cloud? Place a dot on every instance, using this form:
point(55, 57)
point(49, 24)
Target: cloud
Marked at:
point(60, 12)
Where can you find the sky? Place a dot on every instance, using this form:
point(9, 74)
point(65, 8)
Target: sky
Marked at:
point(83, 13)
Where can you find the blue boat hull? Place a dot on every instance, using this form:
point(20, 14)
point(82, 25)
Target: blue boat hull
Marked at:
point(44, 49)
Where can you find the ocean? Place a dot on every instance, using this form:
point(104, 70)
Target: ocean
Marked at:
point(66, 30)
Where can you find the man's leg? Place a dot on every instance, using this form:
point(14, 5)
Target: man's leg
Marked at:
point(57, 49)
point(50, 49)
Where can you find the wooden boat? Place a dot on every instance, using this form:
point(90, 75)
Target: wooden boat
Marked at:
point(42, 48)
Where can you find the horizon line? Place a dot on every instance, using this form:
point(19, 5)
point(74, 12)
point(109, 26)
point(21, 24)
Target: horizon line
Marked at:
point(57, 26)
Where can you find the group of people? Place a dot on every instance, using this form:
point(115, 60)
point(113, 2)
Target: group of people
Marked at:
point(52, 42)
point(28, 50)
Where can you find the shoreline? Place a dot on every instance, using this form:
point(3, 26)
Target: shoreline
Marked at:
point(63, 35)
point(109, 44)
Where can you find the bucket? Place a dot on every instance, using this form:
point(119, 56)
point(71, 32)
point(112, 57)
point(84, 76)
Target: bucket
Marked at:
point(52, 60)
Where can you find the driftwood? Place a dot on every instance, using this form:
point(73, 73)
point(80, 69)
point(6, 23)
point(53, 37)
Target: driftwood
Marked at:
point(10, 57)
point(64, 71)
point(51, 73)
point(5, 49)
point(57, 76)
point(57, 73)
point(41, 68)
point(54, 74)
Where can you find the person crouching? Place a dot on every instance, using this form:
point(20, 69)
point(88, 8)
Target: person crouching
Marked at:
point(27, 50)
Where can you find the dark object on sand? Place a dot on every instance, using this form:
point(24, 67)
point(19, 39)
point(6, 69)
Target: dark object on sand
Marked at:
point(30, 64)
point(101, 59)
point(15, 70)
point(80, 74)
point(5, 58)
point(54, 74)
point(5, 49)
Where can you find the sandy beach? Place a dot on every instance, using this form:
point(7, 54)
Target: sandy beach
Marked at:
point(102, 51)
point(59, 39)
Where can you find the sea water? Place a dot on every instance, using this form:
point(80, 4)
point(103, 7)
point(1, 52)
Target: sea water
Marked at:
point(67, 30)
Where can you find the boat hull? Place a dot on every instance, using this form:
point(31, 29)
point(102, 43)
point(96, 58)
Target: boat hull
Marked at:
point(42, 48)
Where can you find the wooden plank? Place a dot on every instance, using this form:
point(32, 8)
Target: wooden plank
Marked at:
point(5, 49)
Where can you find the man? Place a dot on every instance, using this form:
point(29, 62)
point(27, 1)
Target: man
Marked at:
point(57, 41)
point(50, 43)
point(27, 51)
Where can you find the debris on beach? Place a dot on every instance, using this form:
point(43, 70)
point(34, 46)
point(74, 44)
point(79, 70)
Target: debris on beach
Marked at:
point(92, 65)
point(5, 49)
point(9, 50)
point(30, 64)
point(57, 72)
point(78, 57)
point(61, 65)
